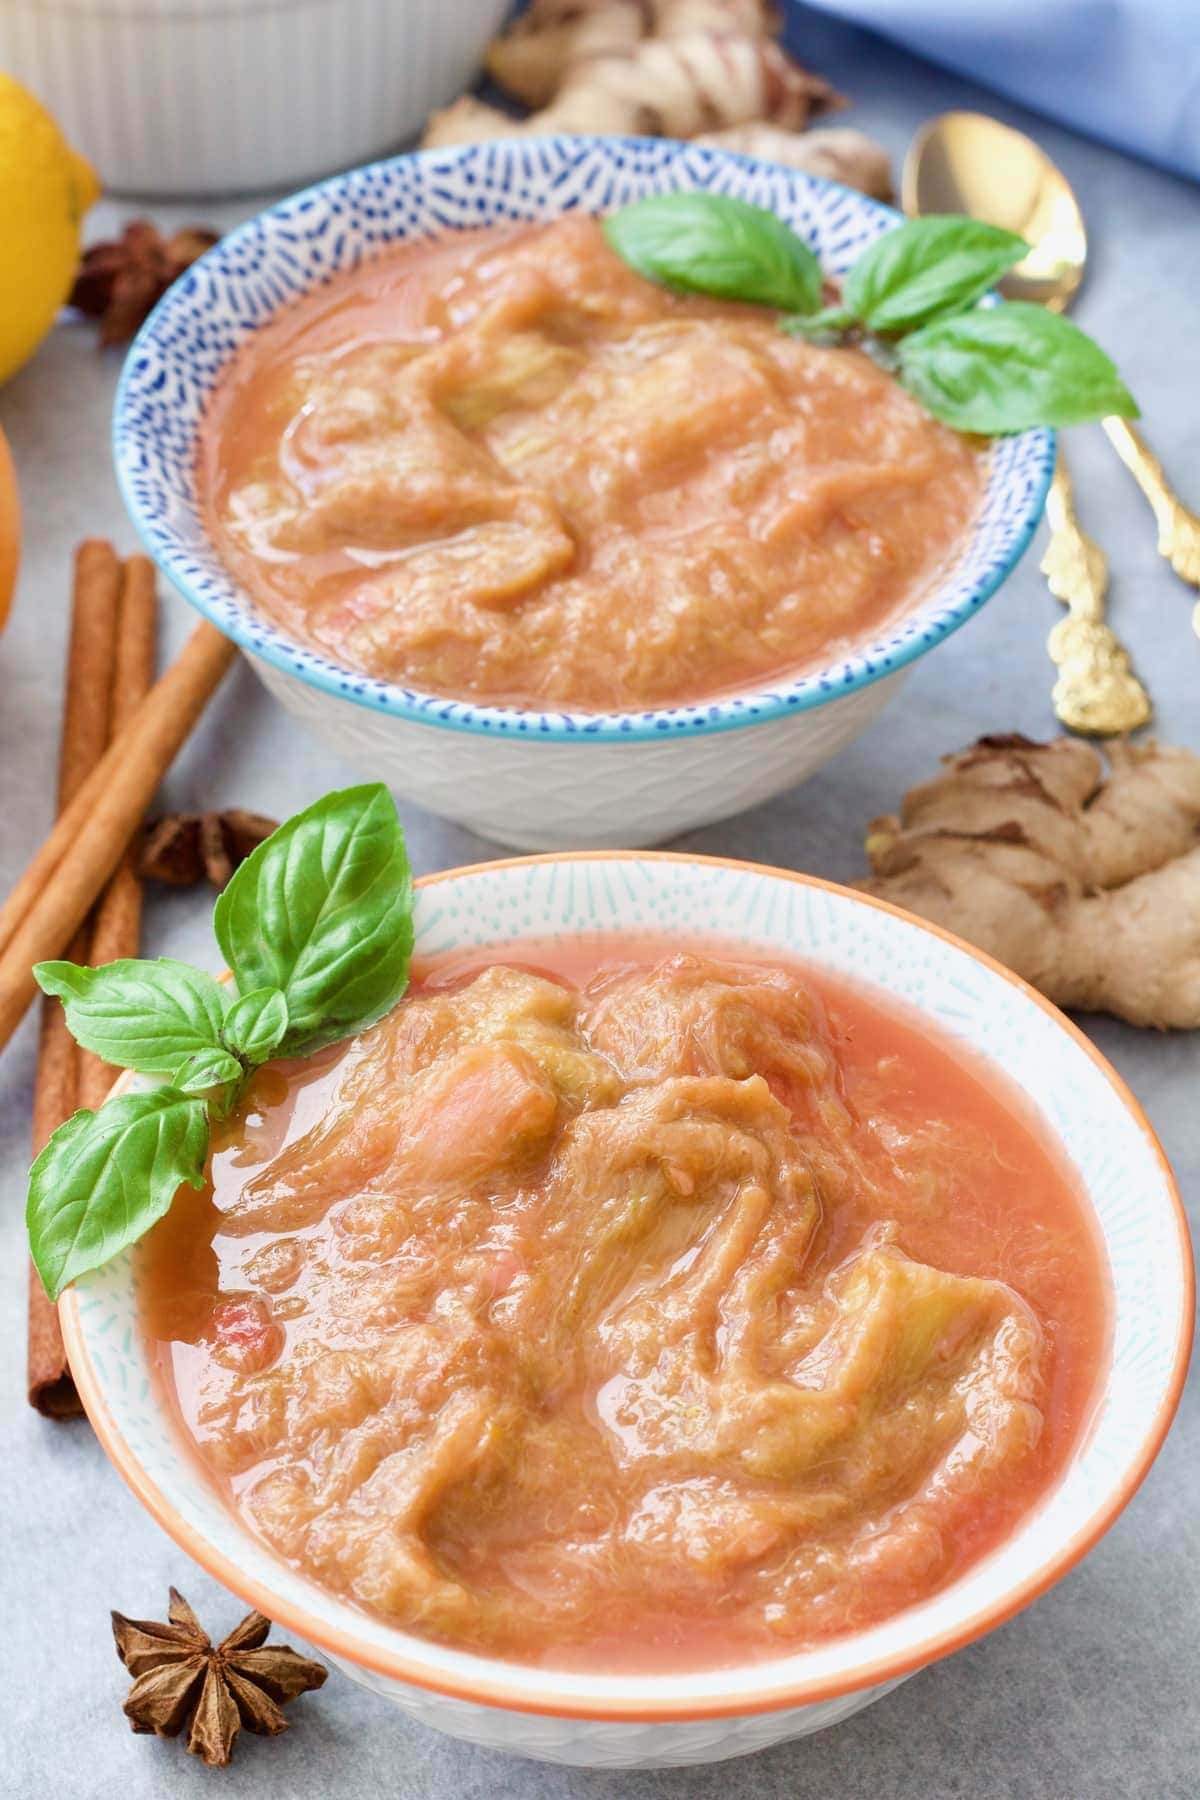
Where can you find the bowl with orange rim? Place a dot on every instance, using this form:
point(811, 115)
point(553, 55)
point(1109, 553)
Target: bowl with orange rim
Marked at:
point(604, 1717)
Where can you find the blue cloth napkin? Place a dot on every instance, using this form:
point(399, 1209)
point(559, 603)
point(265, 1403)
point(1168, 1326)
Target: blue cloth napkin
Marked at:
point(1125, 71)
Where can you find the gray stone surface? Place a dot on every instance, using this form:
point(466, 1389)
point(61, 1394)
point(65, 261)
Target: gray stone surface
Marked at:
point(1093, 1691)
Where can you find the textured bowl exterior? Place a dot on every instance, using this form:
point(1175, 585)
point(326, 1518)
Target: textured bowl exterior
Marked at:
point(593, 1744)
point(295, 247)
point(619, 1721)
point(236, 96)
point(533, 795)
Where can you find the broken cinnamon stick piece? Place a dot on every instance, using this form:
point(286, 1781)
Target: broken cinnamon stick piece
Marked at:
point(87, 705)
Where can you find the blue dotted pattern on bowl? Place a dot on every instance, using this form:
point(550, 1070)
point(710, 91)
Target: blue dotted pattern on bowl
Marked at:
point(305, 241)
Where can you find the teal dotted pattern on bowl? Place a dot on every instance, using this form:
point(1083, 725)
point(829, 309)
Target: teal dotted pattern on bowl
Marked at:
point(1113, 1151)
point(306, 240)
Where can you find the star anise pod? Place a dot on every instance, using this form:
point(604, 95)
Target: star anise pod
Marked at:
point(184, 847)
point(119, 282)
point(181, 1678)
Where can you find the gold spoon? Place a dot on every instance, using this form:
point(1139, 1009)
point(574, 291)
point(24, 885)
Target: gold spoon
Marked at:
point(966, 162)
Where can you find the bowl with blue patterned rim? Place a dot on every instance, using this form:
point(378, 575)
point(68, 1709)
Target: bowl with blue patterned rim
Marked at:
point(625, 1721)
point(532, 779)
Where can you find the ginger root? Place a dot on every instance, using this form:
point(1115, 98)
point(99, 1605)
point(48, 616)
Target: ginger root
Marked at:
point(1086, 884)
point(468, 121)
point(666, 87)
point(838, 154)
point(702, 69)
point(531, 58)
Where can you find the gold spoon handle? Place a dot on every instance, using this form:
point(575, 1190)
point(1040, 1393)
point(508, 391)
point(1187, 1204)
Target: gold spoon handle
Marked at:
point(1096, 692)
point(1074, 565)
point(1178, 526)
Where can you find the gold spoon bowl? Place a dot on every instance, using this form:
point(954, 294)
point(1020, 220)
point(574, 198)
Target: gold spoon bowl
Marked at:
point(964, 162)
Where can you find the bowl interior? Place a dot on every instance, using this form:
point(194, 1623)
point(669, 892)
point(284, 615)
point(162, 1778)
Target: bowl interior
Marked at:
point(1085, 1107)
point(303, 242)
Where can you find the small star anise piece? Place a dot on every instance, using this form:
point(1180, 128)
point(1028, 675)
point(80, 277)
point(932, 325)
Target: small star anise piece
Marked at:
point(185, 847)
point(120, 281)
point(181, 1679)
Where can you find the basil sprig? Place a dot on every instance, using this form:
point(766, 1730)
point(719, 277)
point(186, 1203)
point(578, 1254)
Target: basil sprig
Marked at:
point(316, 926)
point(911, 300)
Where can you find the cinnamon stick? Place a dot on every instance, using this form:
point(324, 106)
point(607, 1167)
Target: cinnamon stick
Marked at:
point(117, 918)
point(50, 1385)
point(91, 656)
point(62, 882)
point(86, 728)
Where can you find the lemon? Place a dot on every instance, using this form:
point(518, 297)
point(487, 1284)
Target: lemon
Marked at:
point(45, 189)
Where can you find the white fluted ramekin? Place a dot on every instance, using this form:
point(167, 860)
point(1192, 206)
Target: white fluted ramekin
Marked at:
point(614, 1721)
point(534, 779)
point(237, 96)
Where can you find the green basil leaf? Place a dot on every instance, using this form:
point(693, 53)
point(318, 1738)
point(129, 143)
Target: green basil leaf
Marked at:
point(716, 245)
point(1008, 368)
point(105, 1177)
point(139, 1015)
point(927, 269)
point(323, 911)
point(256, 1024)
point(828, 323)
point(206, 1069)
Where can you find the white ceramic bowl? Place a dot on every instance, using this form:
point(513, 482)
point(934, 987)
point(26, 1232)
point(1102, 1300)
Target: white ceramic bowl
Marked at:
point(535, 780)
point(239, 96)
point(628, 1722)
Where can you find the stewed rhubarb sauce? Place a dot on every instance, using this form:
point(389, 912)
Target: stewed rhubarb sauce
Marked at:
point(504, 467)
point(629, 1304)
